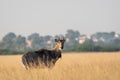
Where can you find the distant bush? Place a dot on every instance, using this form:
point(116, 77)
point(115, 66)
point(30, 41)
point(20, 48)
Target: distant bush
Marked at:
point(93, 48)
point(12, 52)
point(9, 52)
point(76, 48)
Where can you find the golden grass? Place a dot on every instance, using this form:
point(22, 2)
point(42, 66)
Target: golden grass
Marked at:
point(94, 66)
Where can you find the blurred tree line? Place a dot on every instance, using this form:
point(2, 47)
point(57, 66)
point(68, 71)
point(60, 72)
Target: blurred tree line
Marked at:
point(100, 41)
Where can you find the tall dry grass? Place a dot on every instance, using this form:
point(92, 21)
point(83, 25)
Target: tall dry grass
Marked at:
point(94, 66)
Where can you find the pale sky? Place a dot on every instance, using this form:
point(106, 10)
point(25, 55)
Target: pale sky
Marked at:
point(51, 17)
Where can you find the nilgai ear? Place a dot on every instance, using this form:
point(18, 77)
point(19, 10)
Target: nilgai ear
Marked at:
point(56, 40)
point(64, 39)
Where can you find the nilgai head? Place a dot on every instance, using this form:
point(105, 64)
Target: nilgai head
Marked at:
point(60, 42)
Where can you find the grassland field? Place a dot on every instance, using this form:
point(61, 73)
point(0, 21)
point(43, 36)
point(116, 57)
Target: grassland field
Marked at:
point(74, 66)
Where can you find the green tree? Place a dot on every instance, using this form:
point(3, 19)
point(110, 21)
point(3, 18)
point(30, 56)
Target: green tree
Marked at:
point(8, 40)
point(72, 36)
point(20, 43)
point(9, 37)
point(35, 39)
